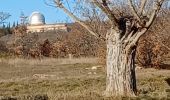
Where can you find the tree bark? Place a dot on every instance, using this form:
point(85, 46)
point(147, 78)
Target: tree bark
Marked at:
point(121, 78)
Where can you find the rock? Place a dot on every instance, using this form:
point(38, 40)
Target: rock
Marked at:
point(95, 67)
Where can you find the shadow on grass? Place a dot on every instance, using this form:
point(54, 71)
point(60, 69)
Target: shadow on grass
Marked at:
point(168, 81)
point(165, 66)
point(36, 97)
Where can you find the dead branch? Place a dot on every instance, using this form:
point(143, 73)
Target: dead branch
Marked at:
point(104, 7)
point(3, 17)
point(156, 8)
point(61, 6)
point(142, 6)
point(136, 37)
point(134, 12)
point(155, 11)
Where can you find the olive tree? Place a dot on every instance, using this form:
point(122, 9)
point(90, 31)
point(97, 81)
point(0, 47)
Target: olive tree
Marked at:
point(122, 37)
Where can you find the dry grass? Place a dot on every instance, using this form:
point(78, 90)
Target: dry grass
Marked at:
point(47, 61)
point(69, 79)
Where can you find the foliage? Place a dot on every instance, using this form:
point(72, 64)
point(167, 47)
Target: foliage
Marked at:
point(46, 48)
point(154, 46)
point(75, 42)
point(150, 54)
point(78, 43)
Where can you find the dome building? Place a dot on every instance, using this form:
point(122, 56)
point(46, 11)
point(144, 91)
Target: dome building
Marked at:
point(36, 18)
point(37, 24)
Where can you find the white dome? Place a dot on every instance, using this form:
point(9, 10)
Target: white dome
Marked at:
point(36, 18)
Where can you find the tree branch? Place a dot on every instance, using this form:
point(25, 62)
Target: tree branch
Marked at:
point(48, 4)
point(156, 8)
point(142, 6)
point(136, 37)
point(127, 36)
point(4, 16)
point(104, 7)
point(133, 10)
point(154, 12)
point(76, 19)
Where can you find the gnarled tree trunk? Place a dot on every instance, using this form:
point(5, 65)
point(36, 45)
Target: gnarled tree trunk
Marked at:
point(121, 79)
point(121, 48)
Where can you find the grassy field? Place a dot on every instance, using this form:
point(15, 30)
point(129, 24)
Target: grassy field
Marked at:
point(71, 79)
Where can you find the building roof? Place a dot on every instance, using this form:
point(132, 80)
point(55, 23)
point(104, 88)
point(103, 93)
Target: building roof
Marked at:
point(36, 18)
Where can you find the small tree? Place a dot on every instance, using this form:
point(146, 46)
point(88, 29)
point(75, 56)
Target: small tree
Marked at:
point(121, 38)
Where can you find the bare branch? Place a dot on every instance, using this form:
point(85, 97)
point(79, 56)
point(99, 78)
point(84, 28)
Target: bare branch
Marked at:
point(136, 37)
point(133, 10)
point(127, 36)
point(104, 7)
point(76, 19)
point(142, 6)
point(4, 16)
point(154, 12)
point(48, 4)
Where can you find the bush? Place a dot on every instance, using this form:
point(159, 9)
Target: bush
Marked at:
point(149, 53)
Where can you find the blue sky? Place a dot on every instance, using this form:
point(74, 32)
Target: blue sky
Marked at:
point(15, 7)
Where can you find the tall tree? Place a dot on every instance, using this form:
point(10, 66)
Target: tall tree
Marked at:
point(13, 25)
point(122, 37)
point(3, 17)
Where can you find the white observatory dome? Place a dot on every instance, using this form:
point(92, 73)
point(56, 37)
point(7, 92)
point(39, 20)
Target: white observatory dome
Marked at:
point(36, 18)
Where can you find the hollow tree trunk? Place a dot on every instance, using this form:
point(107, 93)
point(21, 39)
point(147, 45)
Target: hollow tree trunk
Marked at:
point(121, 79)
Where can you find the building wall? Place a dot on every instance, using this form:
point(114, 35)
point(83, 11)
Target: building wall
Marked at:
point(46, 27)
